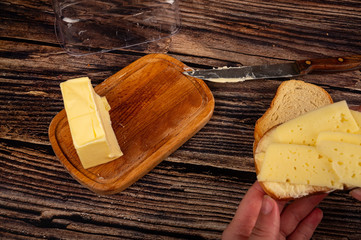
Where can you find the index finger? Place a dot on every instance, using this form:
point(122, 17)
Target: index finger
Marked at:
point(297, 211)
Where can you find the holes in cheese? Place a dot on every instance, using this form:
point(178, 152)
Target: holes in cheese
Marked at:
point(305, 129)
point(321, 148)
point(346, 158)
point(297, 164)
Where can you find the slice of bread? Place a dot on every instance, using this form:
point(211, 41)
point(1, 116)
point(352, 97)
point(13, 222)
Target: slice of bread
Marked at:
point(293, 98)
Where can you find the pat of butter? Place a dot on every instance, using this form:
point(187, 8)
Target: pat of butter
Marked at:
point(346, 159)
point(305, 129)
point(89, 121)
point(297, 164)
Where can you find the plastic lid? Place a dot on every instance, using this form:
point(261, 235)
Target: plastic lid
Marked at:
point(91, 26)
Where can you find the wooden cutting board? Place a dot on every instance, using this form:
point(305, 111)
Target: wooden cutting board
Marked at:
point(154, 110)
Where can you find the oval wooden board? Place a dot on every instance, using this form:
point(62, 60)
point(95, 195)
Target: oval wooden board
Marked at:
point(154, 110)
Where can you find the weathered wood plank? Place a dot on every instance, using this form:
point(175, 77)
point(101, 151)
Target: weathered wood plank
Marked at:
point(194, 193)
point(172, 197)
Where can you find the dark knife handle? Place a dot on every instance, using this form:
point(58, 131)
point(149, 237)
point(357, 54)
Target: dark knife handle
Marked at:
point(330, 64)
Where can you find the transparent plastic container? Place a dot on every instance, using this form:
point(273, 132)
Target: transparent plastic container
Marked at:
point(92, 26)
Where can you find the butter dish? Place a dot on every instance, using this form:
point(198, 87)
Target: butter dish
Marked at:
point(155, 109)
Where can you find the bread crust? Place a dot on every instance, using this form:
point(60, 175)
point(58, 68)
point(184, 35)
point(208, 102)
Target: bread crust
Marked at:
point(266, 122)
point(277, 114)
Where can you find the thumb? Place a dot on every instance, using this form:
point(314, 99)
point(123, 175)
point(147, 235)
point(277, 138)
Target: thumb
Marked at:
point(268, 222)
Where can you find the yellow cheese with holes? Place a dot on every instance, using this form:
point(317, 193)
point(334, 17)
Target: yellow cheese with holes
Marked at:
point(297, 164)
point(346, 160)
point(357, 116)
point(89, 121)
point(339, 137)
point(305, 128)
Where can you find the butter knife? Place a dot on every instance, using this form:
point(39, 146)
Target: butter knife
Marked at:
point(282, 70)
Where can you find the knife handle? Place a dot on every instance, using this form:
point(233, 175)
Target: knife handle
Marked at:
point(330, 64)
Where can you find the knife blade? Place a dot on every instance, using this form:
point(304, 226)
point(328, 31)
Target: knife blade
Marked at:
point(282, 70)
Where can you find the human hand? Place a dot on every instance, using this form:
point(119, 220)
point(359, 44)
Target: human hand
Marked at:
point(260, 217)
point(356, 193)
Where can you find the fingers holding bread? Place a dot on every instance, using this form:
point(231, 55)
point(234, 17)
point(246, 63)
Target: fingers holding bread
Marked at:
point(306, 144)
point(300, 218)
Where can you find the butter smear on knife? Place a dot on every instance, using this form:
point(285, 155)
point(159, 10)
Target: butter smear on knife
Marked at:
point(218, 79)
point(231, 80)
point(89, 121)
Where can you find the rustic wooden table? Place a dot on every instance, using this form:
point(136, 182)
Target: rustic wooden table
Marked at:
point(193, 193)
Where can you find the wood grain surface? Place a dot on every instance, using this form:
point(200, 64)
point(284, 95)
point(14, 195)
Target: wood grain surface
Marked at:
point(192, 194)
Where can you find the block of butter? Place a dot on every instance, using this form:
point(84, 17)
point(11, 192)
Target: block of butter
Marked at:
point(89, 121)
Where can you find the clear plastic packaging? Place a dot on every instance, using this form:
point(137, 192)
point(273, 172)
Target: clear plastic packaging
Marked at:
point(91, 26)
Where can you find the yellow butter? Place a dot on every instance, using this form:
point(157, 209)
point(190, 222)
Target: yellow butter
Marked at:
point(297, 164)
point(305, 128)
point(346, 160)
point(89, 122)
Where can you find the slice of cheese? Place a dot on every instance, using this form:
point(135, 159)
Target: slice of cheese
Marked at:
point(357, 116)
point(89, 122)
point(339, 137)
point(305, 129)
point(346, 160)
point(297, 164)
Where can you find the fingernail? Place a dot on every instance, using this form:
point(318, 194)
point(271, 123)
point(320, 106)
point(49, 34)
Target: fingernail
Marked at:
point(267, 205)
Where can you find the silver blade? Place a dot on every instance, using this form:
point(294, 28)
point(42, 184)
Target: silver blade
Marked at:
point(240, 74)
